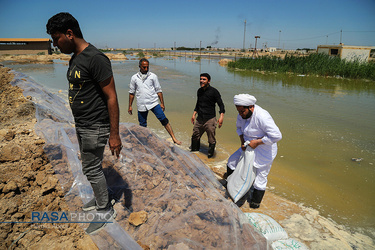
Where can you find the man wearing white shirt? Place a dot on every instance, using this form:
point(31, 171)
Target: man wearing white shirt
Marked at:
point(146, 87)
point(256, 125)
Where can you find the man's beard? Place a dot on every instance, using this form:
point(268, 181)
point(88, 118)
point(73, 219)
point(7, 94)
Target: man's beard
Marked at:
point(249, 114)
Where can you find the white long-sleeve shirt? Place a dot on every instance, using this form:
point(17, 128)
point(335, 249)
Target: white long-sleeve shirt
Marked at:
point(145, 90)
point(260, 126)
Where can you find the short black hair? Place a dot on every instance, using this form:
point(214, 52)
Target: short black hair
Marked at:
point(143, 60)
point(206, 75)
point(61, 22)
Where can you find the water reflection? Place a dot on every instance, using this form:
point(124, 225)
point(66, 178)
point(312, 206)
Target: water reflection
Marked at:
point(325, 123)
point(317, 83)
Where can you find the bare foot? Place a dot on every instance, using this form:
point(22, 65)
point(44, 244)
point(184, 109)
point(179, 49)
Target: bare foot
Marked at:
point(177, 142)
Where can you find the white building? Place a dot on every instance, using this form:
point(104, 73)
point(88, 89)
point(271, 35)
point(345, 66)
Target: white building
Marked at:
point(350, 53)
point(271, 49)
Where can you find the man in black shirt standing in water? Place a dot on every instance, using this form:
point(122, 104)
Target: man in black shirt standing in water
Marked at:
point(93, 100)
point(205, 108)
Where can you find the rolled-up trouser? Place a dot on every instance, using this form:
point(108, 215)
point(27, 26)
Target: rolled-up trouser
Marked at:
point(260, 181)
point(92, 141)
point(201, 126)
point(159, 113)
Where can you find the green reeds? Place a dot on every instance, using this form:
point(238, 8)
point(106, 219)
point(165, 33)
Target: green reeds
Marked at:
point(314, 64)
point(141, 54)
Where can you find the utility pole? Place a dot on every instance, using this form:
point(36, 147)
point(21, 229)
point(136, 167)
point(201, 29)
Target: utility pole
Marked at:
point(279, 39)
point(255, 52)
point(340, 36)
point(200, 49)
point(244, 35)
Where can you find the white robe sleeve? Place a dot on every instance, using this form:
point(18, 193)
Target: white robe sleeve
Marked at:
point(239, 125)
point(272, 132)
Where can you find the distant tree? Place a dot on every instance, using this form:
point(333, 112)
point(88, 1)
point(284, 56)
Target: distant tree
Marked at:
point(187, 48)
point(307, 49)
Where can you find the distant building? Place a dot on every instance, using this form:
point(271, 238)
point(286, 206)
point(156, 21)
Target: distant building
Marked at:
point(13, 46)
point(271, 49)
point(350, 53)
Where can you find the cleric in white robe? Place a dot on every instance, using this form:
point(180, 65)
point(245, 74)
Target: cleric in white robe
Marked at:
point(256, 125)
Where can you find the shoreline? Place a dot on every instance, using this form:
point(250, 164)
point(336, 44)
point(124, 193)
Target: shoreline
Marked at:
point(304, 224)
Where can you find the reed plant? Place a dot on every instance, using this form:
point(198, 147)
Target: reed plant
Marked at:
point(314, 64)
point(140, 54)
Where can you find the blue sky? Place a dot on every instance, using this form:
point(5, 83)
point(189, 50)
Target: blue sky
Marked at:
point(290, 24)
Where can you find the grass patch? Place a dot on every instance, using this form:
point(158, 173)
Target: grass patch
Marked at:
point(157, 54)
point(314, 64)
point(140, 54)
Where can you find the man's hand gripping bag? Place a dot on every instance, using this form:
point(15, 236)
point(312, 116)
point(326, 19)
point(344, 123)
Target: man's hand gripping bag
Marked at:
point(240, 181)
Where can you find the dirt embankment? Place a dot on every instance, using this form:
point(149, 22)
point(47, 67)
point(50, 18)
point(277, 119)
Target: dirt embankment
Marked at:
point(49, 58)
point(27, 181)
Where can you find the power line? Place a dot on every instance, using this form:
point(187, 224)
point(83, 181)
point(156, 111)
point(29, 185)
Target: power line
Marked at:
point(359, 31)
point(300, 39)
point(315, 37)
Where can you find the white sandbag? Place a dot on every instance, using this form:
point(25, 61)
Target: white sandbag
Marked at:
point(240, 181)
point(267, 226)
point(289, 244)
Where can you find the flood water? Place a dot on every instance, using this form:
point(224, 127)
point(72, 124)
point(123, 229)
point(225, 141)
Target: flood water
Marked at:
point(325, 122)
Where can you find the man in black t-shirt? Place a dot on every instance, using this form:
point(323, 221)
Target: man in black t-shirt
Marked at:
point(93, 100)
point(205, 108)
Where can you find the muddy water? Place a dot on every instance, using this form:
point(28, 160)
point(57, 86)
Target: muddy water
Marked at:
point(326, 122)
